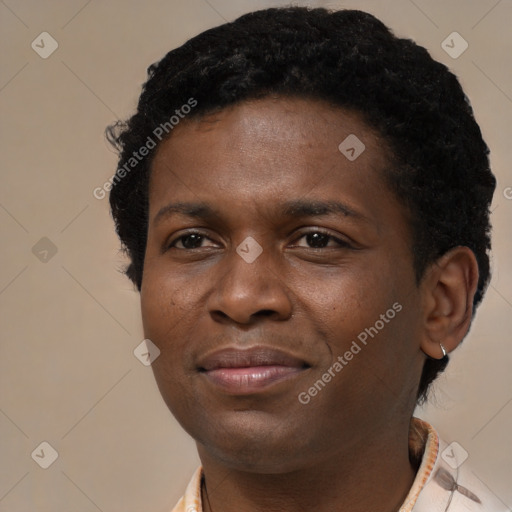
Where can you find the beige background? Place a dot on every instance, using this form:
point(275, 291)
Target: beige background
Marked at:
point(69, 325)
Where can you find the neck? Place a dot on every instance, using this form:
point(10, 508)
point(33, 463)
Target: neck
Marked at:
point(374, 474)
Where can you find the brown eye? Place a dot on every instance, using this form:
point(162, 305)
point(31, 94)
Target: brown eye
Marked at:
point(317, 240)
point(189, 241)
point(321, 240)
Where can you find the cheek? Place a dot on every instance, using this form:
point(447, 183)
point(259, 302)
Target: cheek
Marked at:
point(164, 315)
point(165, 300)
point(165, 318)
point(366, 317)
point(173, 311)
point(349, 300)
point(157, 309)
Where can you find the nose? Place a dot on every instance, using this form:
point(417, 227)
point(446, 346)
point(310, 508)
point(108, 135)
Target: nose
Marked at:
point(246, 293)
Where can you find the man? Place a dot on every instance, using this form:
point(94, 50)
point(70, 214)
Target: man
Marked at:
point(304, 199)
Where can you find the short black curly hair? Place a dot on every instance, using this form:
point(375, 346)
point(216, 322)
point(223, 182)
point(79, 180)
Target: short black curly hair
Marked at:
point(348, 58)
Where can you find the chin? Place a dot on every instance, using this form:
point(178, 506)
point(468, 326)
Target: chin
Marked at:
point(250, 442)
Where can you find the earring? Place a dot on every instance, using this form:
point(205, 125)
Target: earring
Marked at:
point(443, 349)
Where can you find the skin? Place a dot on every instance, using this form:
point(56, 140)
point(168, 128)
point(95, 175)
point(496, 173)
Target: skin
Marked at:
point(347, 449)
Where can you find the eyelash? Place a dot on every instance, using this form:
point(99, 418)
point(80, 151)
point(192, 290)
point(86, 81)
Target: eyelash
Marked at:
point(341, 243)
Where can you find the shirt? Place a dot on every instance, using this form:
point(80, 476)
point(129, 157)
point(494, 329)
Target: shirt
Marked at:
point(444, 482)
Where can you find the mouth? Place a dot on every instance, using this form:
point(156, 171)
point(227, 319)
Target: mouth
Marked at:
point(251, 370)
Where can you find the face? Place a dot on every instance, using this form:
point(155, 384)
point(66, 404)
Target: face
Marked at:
point(278, 285)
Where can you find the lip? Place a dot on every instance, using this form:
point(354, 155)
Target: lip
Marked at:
point(249, 370)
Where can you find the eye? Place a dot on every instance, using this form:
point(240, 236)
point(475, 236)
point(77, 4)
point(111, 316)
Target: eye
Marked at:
point(319, 239)
point(191, 240)
point(316, 239)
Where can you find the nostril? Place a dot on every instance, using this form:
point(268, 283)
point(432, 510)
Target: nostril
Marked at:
point(220, 314)
point(266, 312)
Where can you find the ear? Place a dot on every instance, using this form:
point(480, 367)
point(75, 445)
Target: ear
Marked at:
point(448, 288)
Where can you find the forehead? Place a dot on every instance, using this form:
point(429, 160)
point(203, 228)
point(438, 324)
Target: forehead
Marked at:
point(267, 143)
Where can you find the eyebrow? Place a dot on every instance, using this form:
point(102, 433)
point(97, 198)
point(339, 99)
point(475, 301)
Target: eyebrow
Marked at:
point(295, 208)
point(311, 208)
point(194, 210)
